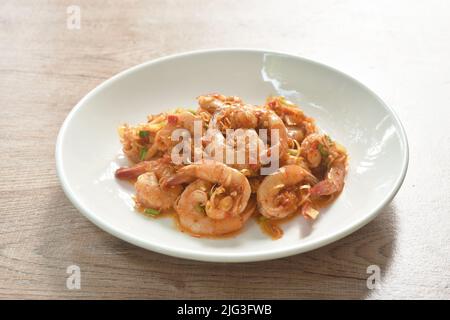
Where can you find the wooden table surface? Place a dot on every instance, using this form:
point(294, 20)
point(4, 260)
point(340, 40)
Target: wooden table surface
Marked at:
point(400, 49)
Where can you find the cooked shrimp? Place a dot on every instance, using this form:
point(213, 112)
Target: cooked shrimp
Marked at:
point(151, 191)
point(130, 173)
point(151, 194)
point(238, 144)
point(315, 149)
point(231, 194)
point(192, 216)
point(212, 103)
point(242, 149)
point(327, 160)
point(295, 160)
point(248, 150)
point(334, 181)
point(279, 195)
point(298, 124)
point(182, 120)
point(235, 116)
point(271, 121)
point(216, 146)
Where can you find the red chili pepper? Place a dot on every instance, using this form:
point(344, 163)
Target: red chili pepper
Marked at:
point(172, 119)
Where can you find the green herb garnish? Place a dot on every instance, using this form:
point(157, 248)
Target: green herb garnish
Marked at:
point(143, 133)
point(143, 153)
point(192, 111)
point(199, 208)
point(323, 152)
point(151, 212)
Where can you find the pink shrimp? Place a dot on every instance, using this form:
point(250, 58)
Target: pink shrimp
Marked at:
point(334, 181)
point(193, 216)
point(232, 190)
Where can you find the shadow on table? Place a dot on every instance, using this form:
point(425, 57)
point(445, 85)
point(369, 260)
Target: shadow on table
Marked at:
point(338, 270)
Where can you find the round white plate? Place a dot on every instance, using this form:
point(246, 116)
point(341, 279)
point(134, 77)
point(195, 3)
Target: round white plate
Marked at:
point(88, 149)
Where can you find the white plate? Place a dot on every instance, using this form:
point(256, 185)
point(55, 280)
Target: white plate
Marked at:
point(88, 149)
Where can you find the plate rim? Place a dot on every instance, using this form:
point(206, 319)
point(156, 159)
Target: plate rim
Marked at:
point(236, 257)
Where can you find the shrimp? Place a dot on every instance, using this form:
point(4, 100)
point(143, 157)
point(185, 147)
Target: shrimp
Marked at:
point(216, 146)
point(297, 160)
point(280, 194)
point(151, 191)
point(334, 181)
point(235, 116)
point(182, 120)
point(242, 149)
point(271, 121)
point(320, 151)
point(230, 194)
point(311, 148)
point(248, 150)
point(328, 160)
point(298, 124)
point(211, 103)
point(130, 173)
point(192, 214)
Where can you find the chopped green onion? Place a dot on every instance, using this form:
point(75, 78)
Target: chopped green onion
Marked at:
point(199, 208)
point(143, 133)
point(292, 152)
point(192, 111)
point(323, 151)
point(151, 211)
point(143, 153)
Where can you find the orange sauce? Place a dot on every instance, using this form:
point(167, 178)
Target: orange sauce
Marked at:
point(221, 236)
point(271, 228)
point(173, 214)
point(163, 213)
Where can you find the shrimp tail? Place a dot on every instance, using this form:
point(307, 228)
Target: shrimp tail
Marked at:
point(128, 173)
point(178, 179)
point(332, 184)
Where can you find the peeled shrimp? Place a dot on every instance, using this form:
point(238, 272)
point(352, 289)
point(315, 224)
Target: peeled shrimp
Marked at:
point(212, 103)
point(235, 116)
point(334, 181)
point(279, 195)
point(298, 124)
point(192, 215)
point(314, 149)
point(182, 120)
point(151, 191)
point(231, 193)
point(242, 149)
point(328, 160)
point(271, 121)
point(248, 150)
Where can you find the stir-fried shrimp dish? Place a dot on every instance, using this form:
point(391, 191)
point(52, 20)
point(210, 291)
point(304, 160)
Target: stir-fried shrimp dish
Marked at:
point(217, 166)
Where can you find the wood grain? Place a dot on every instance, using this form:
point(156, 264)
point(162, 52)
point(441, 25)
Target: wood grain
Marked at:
point(398, 49)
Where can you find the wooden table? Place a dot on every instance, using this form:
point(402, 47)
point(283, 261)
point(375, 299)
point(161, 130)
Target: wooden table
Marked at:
point(399, 49)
